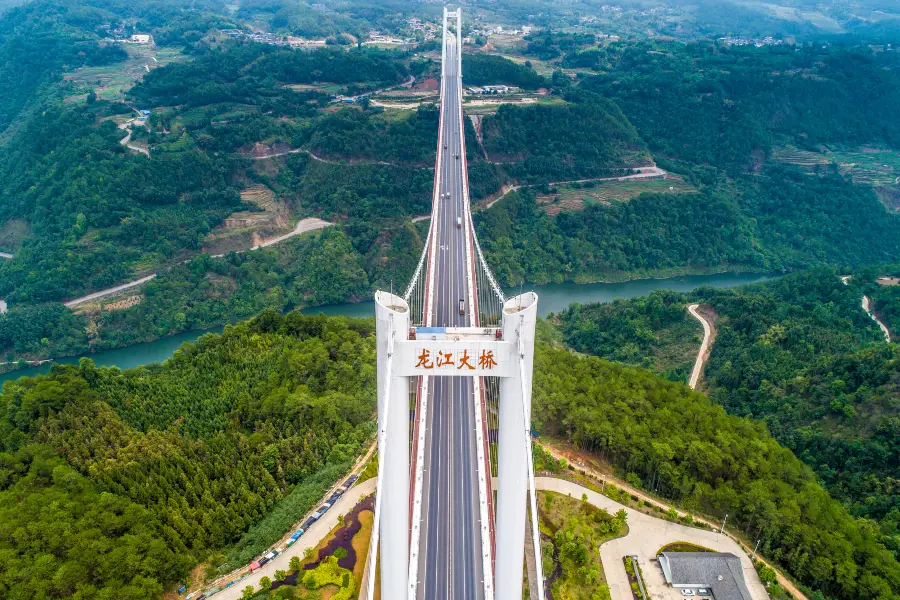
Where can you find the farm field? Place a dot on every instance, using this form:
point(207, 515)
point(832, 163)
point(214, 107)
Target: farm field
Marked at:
point(876, 167)
point(578, 195)
point(868, 166)
point(110, 82)
point(325, 88)
point(245, 229)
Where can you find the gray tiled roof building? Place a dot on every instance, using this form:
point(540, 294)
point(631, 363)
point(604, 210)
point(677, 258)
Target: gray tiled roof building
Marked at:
point(720, 572)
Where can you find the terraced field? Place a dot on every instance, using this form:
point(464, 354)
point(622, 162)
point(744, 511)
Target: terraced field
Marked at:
point(876, 167)
point(245, 229)
point(110, 82)
point(577, 196)
point(867, 166)
point(800, 158)
point(870, 166)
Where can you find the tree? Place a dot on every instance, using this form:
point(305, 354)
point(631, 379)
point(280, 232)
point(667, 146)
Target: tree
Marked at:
point(247, 593)
point(265, 584)
point(767, 574)
point(294, 564)
point(280, 575)
point(91, 97)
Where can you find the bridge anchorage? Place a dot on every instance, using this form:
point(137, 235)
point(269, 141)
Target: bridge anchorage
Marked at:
point(454, 403)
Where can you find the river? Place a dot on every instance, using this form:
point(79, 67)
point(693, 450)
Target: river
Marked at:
point(554, 297)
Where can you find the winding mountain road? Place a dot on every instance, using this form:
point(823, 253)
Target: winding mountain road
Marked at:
point(703, 354)
point(867, 306)
point(109, 291)
point(303, 226)
point(642, 173)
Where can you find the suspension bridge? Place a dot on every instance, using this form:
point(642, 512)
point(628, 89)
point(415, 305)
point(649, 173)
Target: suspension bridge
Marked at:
point(455, 469)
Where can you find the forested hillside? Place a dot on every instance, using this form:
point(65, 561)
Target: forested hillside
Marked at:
point(885, 295)
point(113, 484)
point(305, 271)
point(95, 211)
point(726, 106)
point(92, 214)
point(798, 353)
point(665, 437)
point(779, 220)
point(653, 331)
point(272, 410)
point(484, 69)
point(81, 212)
point(40, 40)
point(111, 213)
point(588, 136)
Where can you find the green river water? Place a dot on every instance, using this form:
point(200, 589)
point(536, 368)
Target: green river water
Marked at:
point(552, 298)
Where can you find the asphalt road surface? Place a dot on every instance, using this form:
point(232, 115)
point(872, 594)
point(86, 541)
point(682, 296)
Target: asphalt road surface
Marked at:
point(450, 560)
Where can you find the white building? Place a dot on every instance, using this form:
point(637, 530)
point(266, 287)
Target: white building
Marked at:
point(141, 38)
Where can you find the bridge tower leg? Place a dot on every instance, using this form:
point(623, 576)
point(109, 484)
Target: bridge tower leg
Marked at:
point(519, 318)
point(392, 321)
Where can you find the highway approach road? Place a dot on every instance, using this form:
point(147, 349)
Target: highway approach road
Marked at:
point(450, 556)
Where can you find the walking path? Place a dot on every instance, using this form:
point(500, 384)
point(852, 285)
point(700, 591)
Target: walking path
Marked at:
point(646, 535)
point(640, 494)
point(867, 306)
point(703, 354)
point(642, 173)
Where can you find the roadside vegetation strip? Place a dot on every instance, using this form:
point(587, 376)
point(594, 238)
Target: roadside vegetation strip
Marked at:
point(682, 547)
point(635, 577)
point(335, 477)
point(322, 529)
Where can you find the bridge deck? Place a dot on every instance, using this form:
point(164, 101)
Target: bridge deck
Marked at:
point(450, 557)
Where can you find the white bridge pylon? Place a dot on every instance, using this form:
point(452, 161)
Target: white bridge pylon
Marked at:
point(465, 352)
